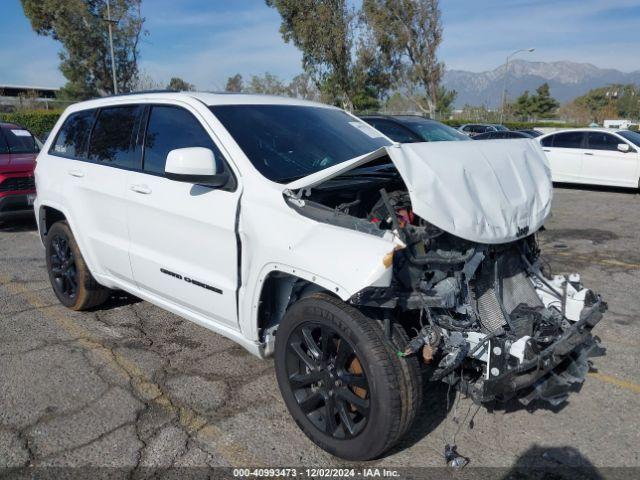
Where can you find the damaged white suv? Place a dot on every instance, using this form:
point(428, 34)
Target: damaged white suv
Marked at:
point(297, 230)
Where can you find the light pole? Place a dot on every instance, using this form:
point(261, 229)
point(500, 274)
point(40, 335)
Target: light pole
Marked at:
point(113, 60)
point(506, 71)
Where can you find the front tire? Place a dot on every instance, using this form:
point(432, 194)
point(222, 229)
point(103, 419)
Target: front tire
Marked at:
point(338, 378)
point(69, 275)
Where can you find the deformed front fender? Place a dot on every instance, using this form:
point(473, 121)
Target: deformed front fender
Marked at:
point(340, 260)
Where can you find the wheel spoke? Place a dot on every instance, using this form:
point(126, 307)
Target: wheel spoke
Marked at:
point(343, 353)
point(354, 380)
point(311, 344)
point(308, 361)
point(301, 380)
point(349, 427)
point(360, 404)
point(330, 424)
point(311, 403)
point(72, 282)
point(57, 251)
point(325, 343)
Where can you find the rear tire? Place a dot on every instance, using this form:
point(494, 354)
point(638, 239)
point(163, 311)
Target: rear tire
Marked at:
point(69, 275)
point(331, 361)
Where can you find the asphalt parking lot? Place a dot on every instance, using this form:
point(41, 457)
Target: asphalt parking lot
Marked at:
point(130, 385)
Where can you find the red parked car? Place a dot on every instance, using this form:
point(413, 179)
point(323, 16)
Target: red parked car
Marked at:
point(18, 152)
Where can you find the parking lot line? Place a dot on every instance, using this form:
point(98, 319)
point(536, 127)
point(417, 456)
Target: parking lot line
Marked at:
point(634, 387)
point(195, 424)
point(604, 261)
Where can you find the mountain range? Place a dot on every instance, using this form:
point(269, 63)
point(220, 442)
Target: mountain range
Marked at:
point(567, 80)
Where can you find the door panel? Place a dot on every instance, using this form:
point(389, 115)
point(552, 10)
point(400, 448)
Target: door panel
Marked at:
point(98, 204)
point(183, 244)
point(97, 186)
point(565, 156)
point(603, 164)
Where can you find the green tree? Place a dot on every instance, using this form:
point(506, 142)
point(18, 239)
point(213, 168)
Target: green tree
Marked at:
point(408, 34)
point(523, 106)
point(543, 105)
point(334, 52)
point(595, 101)
point(628, 102)
point(234, 84)
point(444, 100)
point(267, 84)
point(302, 86)
point(176, 83)
point(81, 28)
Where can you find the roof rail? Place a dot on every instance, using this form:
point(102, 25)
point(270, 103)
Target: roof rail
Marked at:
point(142, 92)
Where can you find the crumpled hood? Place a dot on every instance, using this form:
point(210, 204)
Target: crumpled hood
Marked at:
point(491, 191)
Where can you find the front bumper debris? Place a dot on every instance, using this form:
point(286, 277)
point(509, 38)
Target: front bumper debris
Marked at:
point(552, 374)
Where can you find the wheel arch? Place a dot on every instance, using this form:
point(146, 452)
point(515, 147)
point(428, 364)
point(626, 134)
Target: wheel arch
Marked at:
point(47, 216)
point(279, 290)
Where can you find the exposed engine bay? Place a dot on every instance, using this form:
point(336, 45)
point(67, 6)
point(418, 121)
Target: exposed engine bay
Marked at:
point(488, 319)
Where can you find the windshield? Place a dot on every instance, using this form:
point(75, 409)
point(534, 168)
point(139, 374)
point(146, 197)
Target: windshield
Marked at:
point(501, 128)
point(436, 132)
point(633, 137)
point(287, 142)
point(20, 140)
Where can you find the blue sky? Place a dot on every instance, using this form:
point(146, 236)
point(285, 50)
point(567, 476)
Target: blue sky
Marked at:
point(206, 41)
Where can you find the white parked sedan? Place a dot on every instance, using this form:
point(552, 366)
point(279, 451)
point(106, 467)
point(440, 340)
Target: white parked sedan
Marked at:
point(596, 156)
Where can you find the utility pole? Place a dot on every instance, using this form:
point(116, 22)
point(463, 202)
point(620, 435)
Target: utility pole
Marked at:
point(113, 60)
point(506, 71)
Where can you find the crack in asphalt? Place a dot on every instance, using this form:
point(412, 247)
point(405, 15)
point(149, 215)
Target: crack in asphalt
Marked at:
point(196, 426)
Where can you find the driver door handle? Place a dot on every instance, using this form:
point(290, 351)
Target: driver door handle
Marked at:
point(588, 153)
point(140, 189)
point(76, 173)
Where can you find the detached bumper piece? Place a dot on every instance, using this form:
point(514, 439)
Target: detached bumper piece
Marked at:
point(549, 375)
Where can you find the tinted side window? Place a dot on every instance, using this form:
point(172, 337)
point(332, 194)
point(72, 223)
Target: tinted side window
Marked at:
point(547, 141)
point(113, 140)
point(170, 128)
point(602, 141)
point(71, 141)
point(568, 140)
point(20, 140)
point(4, 148)
point(395, 132)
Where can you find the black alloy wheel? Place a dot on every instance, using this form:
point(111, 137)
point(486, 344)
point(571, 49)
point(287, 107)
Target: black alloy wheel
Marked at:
point(328, 381)
point(63, 267)
point(346, 390)
point(70, 277)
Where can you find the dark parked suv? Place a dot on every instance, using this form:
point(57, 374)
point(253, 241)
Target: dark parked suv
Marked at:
point(18, 151)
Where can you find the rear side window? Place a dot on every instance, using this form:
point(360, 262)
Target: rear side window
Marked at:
point(602, 141)
point(568, 140)
point(72, 138)
point(170, 128)
point(114, 136)
point(19, 140)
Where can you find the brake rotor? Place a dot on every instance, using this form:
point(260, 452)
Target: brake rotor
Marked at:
point(356, 368)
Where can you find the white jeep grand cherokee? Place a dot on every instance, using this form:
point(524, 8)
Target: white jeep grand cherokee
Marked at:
point(297, 230)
